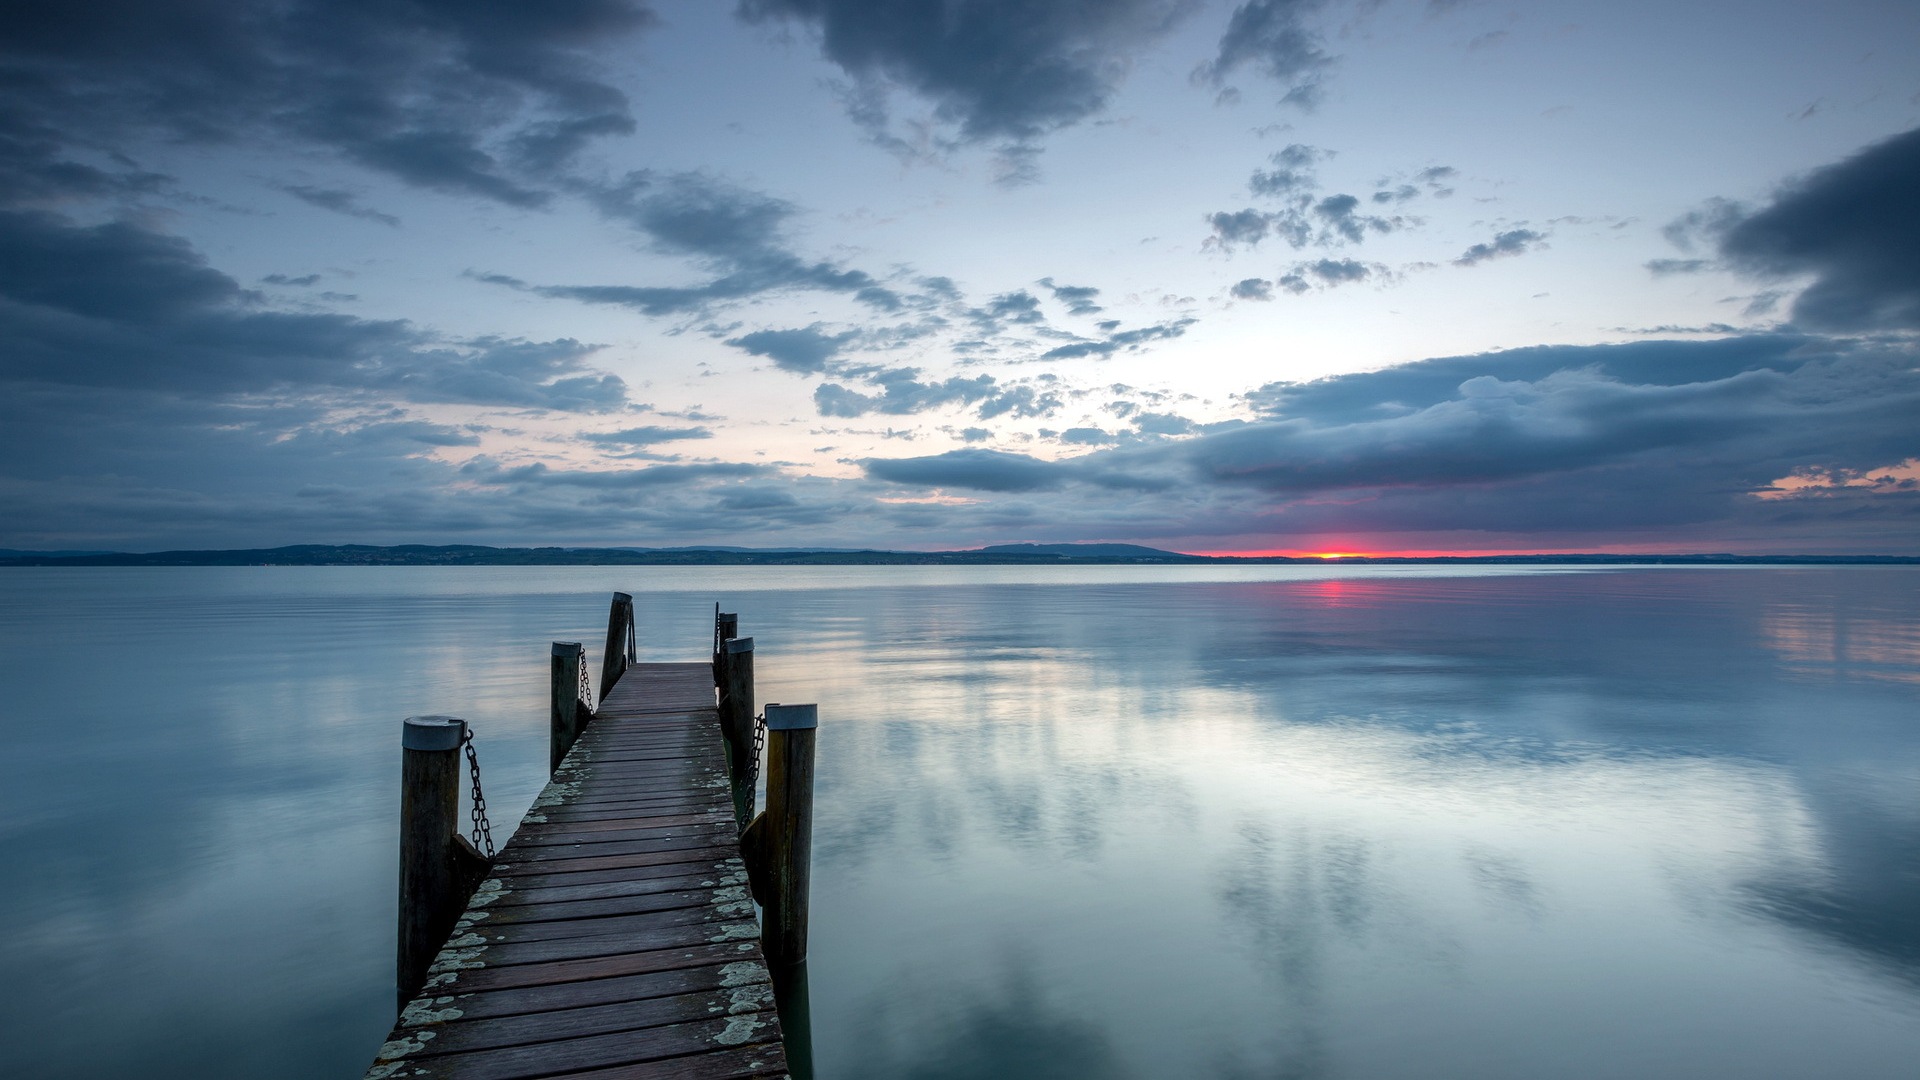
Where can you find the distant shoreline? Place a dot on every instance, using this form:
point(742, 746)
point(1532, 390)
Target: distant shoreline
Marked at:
point(1006, 555)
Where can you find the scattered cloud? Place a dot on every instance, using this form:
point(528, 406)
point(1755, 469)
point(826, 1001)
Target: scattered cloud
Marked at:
point(1078, 298)
point(1001, 72)
point(1510, 242)
point(1252, 289)
point(1329, 273)
point(1675, 267)
point(338, 201)
point(645, 435)
point(1273, 38)
point(805, 351)
point(1118, 341)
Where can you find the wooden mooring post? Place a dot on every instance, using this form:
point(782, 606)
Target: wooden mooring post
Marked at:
point(781, 837)
point(570, 714)
point(737, 720)
point(439, 868)
point(621, 648)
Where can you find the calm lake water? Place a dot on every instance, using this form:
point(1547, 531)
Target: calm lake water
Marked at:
point(1074, 822)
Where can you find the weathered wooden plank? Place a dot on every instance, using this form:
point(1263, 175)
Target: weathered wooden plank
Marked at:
point(562, 1056)
point(630, 873)
point(535, 853)
point(747, 1061)
point(649, 934)
point(529, 1028)
point(613, 934)
point(428, 1011)
point(608, 924)
point(587, 969)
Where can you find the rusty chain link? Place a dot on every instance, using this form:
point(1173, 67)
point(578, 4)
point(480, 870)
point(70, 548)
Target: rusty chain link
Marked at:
point(753, 761)
point(482, 828)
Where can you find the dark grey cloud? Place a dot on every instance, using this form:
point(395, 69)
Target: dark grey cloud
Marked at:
point(1854, 227)
point(539, 474)
point(1273, 37)
point(120, 305)
point(806, 350)
point(971, 469)
point(1005, 71)
point(1252, 289)
point(1088, 436)
point(1435, 180)
point(1078, 298)
point(1328, 273)
point(338, 201)
point(1675, 267)
point(1510, 242)
point(1118, 341)
point(1021, 402)
point(1161, 423)
point(1240, 227)
point(1015, 307)
point(1292, 174)
point(1704, 225)
point(475, 99)
point(698, 214)
point(1321, 221)
point(900, 391)
point(646, 435)
point(736, 234)
point(1340, 214)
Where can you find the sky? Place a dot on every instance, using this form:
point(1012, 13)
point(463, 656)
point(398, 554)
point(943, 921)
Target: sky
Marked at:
point(1275, 276)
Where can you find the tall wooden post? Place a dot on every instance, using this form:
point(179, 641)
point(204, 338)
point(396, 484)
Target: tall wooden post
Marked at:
point(785, 843)
point(726, 626)
point(736, 722)
point(566, 716)
point(620, 643)
point(430, 893)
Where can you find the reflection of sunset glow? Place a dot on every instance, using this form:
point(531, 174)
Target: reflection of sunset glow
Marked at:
point(1816, 641)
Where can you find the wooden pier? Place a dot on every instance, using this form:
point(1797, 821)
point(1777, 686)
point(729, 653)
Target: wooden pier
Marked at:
point(614, 935)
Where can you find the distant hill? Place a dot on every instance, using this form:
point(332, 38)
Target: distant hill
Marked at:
point(999, 554)
point(1087, 551)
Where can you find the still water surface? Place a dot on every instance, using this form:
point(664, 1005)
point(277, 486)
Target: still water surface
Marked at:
point(1115, 822)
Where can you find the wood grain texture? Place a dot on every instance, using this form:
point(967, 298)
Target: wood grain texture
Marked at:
point(614, 936)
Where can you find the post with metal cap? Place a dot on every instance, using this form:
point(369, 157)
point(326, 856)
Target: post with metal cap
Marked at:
point(786, 835)
point(736, 722)
point(432, 871)
point(620, 644)
point(726, 627)
point(567, 718)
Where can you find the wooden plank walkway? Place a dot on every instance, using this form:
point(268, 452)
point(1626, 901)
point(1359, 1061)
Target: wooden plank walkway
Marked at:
point(615, 937)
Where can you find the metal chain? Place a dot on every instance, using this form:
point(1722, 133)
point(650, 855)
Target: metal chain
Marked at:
point(633, 642)
point(482, 828)
point(753, 762)
point(586, 685)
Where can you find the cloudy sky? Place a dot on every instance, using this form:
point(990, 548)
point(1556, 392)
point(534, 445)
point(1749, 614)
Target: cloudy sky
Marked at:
point(1275, 275)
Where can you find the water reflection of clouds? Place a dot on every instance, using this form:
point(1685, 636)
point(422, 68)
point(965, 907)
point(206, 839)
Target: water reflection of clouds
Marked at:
point(1449, 799)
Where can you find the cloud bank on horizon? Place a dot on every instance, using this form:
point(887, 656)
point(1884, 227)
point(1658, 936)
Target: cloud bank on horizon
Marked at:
point(1248, 275)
